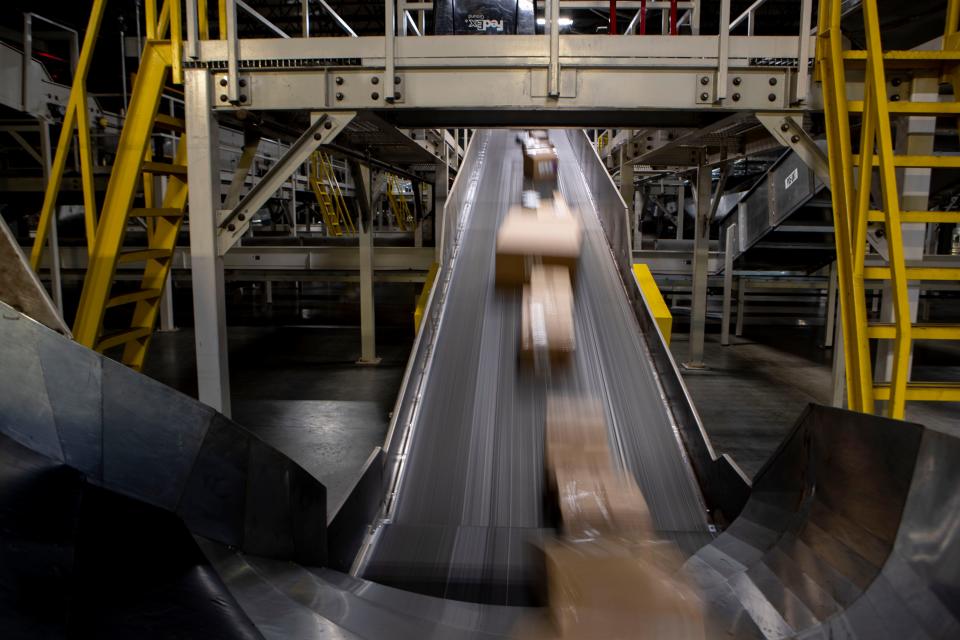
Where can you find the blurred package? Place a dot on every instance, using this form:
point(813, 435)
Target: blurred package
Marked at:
point(546, 317)
point(526, 237)
point(575, 434)
point(606, 502)
point(540, 168)
point(604, 589)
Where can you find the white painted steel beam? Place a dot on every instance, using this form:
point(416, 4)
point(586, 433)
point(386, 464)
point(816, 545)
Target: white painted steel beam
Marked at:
point(203, 175)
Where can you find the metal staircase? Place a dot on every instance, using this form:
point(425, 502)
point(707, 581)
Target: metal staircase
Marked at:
point(326, 188)
point(853, 210)
point(133, 313)
point(398, 202)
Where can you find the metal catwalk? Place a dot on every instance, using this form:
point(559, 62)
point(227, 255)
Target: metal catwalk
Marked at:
point(469, 496)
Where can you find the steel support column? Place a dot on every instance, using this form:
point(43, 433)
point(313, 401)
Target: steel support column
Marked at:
point(56, 284)
point(701, 249)
point(368, 324)
point(203, 175)
point(831, 320)
point(728, 253)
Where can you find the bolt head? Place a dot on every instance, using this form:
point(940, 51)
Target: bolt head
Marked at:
point(317, 136)
point(895, 98)
point(772, 97)
point(243, 82)
point(231, 227)
point(704, 96)
point(896, 82)
point(773, 82)
point(223, 82)
point(243, 97)
point(241, 217)
point(339, 80)
point(375, 96)
point(737, 81)
point(704, 80)
point(223, 97)
point(794, 139)
point(736, 97)
point(328, 125)
point(784, 127)
point(339, 96)
point(396, 79)
point(375, 79)
point(396, 95)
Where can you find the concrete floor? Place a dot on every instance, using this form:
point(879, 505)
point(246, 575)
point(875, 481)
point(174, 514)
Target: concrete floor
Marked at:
point(299, 389)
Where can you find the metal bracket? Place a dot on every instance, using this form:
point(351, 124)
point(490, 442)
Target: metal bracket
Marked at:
point(785, 128)
point(235, 222)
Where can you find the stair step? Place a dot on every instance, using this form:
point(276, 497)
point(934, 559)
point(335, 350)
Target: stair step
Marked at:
point(931, 217)
point(918, 161)
point(142, 255)
point(908, 59)
point(924, 391)
point(914, 273)
point(916, 108)
point(135, 296)
point(888, 331)
point(164, 168)
point(122, 337)
point(156, 212)
point(169, 123)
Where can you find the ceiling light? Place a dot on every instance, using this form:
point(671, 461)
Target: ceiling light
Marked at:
point(563, 22)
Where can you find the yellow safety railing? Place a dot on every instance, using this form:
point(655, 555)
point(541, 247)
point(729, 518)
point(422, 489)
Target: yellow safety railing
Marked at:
point(398, 202)
point(424, 296)
point(326, 188)
point(651, 293)
point(854, 211)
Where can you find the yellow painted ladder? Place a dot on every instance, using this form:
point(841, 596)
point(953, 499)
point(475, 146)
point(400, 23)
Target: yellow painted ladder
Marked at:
point(851, 199)
point(398, 202)
point(326, 188)
point(133, 312)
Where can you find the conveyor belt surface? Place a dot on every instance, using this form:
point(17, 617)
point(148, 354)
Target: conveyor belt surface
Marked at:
point(469, 499)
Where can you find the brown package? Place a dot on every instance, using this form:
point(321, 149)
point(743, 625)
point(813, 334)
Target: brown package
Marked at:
point(540, 163)
point(603, 589)
point(546, 317)
point(526, 238)
point(575, 435)
point(601, 503)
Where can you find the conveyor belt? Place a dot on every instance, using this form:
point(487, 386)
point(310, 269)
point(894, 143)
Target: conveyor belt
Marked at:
point(852, 528)
point(469, 498)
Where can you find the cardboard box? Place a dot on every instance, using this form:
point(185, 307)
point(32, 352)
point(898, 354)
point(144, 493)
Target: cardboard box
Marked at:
point(575, 434)
point(603, 589)
point(526, 238)
point(547, 314)
point(540, 166)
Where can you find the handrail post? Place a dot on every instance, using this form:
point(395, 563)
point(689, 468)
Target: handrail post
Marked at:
point(233, 53)
point(803, 53)
point(553, 73)
point(723, 55)
point(390, 31)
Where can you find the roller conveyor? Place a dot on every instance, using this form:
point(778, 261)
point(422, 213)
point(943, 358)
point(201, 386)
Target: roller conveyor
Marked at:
point(469, 496)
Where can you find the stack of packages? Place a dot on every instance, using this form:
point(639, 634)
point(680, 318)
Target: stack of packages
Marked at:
point(608, 576)
point(540, 163)
point(538, 251)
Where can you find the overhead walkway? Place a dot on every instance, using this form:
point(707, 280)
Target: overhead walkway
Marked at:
point(850, 529)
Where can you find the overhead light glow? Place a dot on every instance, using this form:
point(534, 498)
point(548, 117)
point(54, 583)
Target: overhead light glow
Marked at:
point(563, 22)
